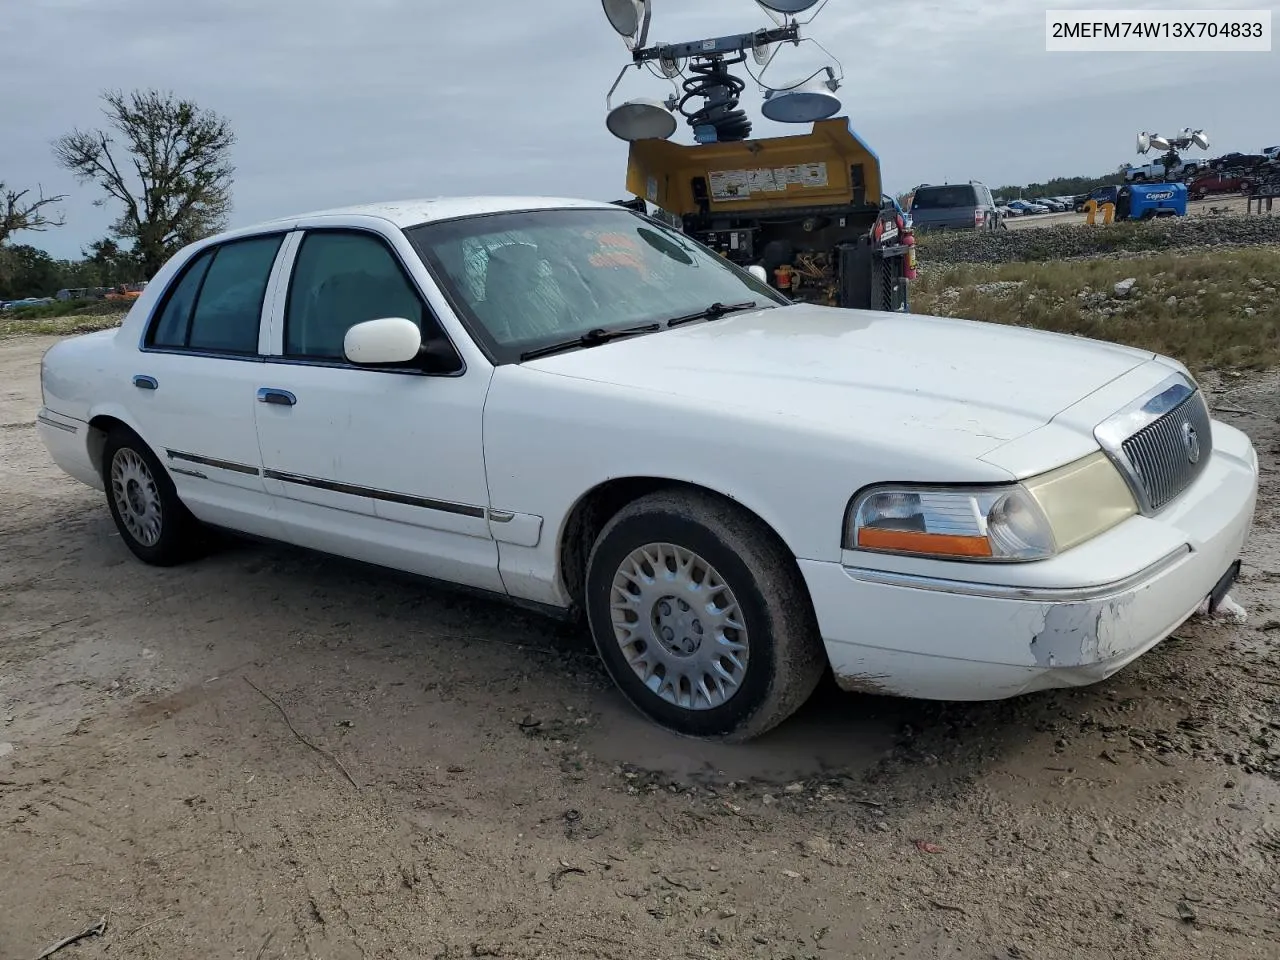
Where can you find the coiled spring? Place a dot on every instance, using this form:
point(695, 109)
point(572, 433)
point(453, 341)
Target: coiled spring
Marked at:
point(721, 90)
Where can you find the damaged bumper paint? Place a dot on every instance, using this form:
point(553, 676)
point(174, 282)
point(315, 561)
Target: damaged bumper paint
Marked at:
point(934, 631)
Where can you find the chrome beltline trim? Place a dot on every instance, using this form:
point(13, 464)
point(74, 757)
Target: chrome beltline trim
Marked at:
point(213, 462)
point(426, 503)
point(999, 591)
point(50, 422)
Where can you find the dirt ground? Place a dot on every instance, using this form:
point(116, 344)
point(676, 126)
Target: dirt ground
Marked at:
point(1224, 203)
point(268, 755)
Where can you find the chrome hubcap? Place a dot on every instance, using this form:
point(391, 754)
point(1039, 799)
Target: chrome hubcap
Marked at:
point(679, 626)
point(136, 496)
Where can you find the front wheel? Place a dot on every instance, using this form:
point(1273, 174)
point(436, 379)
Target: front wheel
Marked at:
point(701, 617)
point(152, 521)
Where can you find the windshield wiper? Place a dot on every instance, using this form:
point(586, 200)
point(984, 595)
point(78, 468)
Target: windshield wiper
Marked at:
point(591, 338)
point(713, 312)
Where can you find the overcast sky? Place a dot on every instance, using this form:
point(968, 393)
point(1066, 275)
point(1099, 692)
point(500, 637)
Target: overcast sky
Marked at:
point(342, 101)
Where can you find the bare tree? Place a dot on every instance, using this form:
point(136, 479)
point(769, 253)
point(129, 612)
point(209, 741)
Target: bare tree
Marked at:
point(17, 213)
point(172, 173)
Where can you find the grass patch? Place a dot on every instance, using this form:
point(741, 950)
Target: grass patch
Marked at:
point(63, 318)
point(1211, 310)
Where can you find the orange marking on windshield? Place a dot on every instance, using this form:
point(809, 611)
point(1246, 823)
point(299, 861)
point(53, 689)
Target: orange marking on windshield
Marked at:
point(618, 250)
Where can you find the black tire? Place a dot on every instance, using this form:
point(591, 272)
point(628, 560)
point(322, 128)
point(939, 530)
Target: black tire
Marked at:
point(785, 654)
point(180, 536)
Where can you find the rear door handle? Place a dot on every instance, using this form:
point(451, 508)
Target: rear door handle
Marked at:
point(271, 395)
point(143, 382)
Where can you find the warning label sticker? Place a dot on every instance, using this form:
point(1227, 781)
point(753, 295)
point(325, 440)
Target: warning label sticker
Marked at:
point(744, 184)
point(729, 185)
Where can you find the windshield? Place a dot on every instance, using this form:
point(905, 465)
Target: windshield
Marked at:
point(938, 198)
point(530, 279)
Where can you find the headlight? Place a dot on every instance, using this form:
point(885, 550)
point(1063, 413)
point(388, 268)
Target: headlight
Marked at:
point(1031, 520)
point(1082, 499)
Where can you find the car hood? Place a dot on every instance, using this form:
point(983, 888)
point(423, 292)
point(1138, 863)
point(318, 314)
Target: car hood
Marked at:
point(902, 377)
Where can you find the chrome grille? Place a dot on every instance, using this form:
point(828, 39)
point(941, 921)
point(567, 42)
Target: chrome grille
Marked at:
point(1162, 446)
point(1161, 453)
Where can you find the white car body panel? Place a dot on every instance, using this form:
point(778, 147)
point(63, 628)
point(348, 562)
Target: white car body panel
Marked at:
point(1135, 585)
point(350, 428)
point(472, 478)
point(360, 428)
point(834, 395)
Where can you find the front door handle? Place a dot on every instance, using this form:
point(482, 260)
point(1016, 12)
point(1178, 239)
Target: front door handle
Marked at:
point(143, 382)
point(271, 395)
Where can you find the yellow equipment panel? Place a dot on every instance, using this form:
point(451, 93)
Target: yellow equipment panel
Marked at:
point(811, 169)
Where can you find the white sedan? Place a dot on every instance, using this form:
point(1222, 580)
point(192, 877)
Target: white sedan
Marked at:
point(574, 406)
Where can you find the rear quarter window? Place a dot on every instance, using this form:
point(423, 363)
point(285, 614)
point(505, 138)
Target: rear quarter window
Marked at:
point(170, 327)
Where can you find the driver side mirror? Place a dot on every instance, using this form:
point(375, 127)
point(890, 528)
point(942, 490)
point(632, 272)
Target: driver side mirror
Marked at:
point(758, 272)
point(397, 341)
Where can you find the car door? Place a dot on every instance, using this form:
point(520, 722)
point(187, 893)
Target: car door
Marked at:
point(196, 377)
point(383, 465)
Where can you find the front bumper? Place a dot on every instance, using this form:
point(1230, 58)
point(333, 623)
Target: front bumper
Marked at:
point(919, 630)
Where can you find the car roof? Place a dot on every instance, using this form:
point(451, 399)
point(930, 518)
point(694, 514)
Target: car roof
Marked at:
point(399, 213)
point(407, 213)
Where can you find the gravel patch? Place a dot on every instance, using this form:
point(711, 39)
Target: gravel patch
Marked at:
point(1080, 241)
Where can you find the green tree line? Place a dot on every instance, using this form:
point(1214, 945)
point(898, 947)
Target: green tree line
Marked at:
point(27, 271)
point(162, 163)
point(1056, 187)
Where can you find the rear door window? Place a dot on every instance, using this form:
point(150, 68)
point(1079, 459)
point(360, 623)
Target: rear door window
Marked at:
point(229, 310)
point(216, 304)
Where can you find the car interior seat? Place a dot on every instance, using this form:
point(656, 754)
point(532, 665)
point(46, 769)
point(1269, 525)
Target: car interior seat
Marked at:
point(521, 299)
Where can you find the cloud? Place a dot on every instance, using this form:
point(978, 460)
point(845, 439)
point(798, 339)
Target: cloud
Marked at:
point(336, 101)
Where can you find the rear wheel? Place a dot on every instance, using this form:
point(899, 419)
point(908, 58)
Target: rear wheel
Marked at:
point(152, 521)
point(701, 617)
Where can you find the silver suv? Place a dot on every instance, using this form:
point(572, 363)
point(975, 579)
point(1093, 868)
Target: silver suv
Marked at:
point(954, 206)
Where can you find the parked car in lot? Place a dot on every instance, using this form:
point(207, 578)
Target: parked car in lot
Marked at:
point(1207, 183)
point(953, 206)
point(1238, 163)
point(1028, 207)
point(574, 406)
point(1107, 194)
point(28, 302)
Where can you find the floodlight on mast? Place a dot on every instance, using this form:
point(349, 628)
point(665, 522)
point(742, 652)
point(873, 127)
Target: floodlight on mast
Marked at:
point(1171, 145)
point(708, 96)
